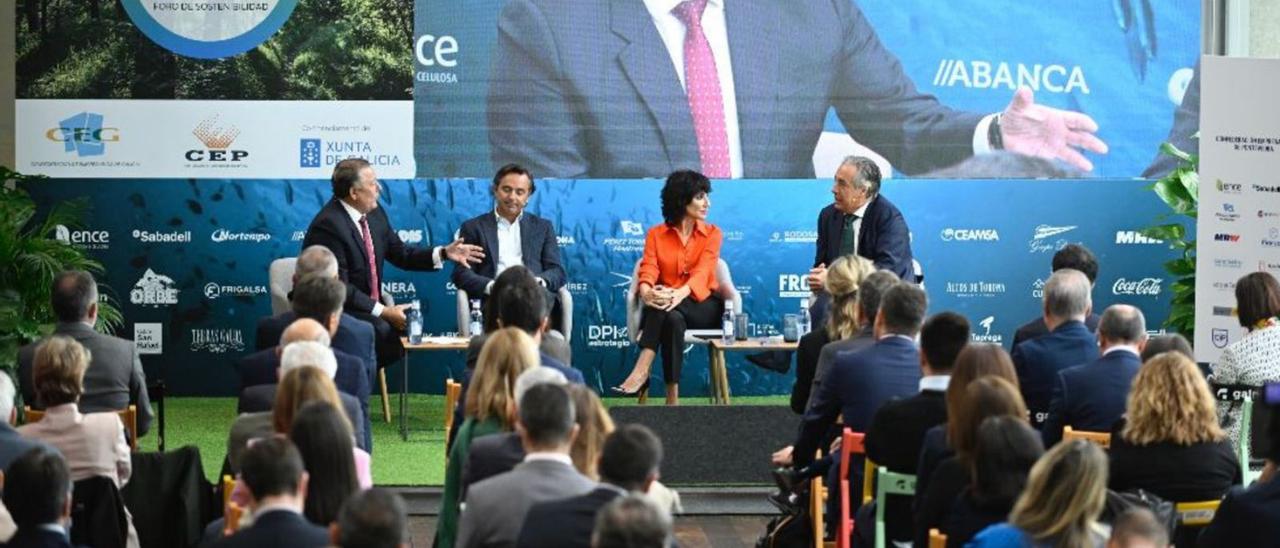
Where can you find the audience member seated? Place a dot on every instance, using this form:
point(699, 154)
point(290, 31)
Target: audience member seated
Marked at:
point(12, 444)
point(1255, 359)
point(1172, 342)
point(323, 438)
point(374, 518)
point(263, 397)
point(594, 425)
point(1065, 494)
point(1138, 528)
point(843, 277)
point(1091, 396)
point(984, 398)
point(1005, 450)
point(1075, 257)
point(496, 507)
point(507, 354)
point(114, 379)
point(495, 454)
point(632, 521)
point(552, 344)
point(277, 484)
point(37, 489)
point(628, 463)
point(1250, 517)
point(354, 336)
point(1068, 343)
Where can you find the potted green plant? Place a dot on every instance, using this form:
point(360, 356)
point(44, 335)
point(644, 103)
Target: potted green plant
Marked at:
point(1180, 190)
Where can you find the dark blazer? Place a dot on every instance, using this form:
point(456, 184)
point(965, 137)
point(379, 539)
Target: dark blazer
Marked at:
point(354, 336)
point(277, 528)
point(566, 523)
point(860, 341)
point(1247, 517)
point(37, 538)
point(1091, 396)
point(489, 456)
point(590, 91)
point(1037, 327)
point(540, 252)
point(1039, 360)
point(945, 485)
point(113, 381)
point(858, 384)
point(496, 507)
point(969, 516)
point(883, 238)
point(260, 368)
point(334, 229)
point(933, 450)
point(1177, 473)
point(894, 439)
point(807, 353)
point(262, 397)
point(13, 445)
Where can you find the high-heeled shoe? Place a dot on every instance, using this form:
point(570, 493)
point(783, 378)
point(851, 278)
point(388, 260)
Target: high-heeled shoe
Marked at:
point(642, 389)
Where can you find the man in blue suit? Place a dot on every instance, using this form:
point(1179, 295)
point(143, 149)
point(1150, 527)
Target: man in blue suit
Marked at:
point(38, 496)
point(1074, 256)
point(1068, 343)
point(590, 89)
point(1092, 396)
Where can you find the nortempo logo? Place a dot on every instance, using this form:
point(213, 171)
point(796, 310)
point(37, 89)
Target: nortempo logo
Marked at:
point(411, 236)
point(1228, 188)
point(970, 235)
point(1133, 237)
point(82, 239)
point(1147, 287)
point(792, 286)
point(1265, 188)
point(217, 138)
point(83, 134)
point(217, 341)
point(223, 235)
point(607, 336)
point(981, 74)
point(986, 336)
point(1232, 263)
point(174, 237)
point(309, 153)
point(213, 290)
point(1224, 237)
point(153, 290)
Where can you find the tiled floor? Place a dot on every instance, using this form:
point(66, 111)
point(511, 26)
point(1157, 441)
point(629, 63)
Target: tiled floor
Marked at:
point(691, 531)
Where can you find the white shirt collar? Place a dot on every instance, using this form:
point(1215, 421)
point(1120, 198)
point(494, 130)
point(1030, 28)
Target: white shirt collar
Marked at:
point(663, 8)
point(351, 212)
point(502, 219)
point(936, 383)
point(283, 506)
point(899, 335)
point(862, 211)
point(549, 455)
point(1132, 349)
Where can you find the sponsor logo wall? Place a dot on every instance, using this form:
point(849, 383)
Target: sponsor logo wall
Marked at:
point(189, 263)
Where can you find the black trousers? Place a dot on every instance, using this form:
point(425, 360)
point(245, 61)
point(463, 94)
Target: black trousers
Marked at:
point(386, 342)
point(666, 329)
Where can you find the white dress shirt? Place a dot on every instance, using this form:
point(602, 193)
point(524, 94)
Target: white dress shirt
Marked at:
point(436, 252)
point(510, 251)
point(672, 31)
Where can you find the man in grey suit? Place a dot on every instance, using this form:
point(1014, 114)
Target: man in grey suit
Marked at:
point(495, 508)
point(114, 379)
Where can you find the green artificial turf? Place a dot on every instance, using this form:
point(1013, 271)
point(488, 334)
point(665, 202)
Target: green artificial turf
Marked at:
point(204, 422)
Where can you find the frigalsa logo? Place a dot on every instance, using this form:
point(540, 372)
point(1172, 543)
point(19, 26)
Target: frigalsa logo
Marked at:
point(209, 29)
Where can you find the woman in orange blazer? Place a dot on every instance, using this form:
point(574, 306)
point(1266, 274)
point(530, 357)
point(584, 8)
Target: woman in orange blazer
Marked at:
point(677, 281)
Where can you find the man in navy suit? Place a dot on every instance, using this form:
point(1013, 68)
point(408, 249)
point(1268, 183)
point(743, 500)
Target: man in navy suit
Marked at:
point(38, 496)
point(1250, 517)
point(585, 89)
point(1092, 396)
point(272, 470)
point(1074, 256)
point(511, 236)
point(1068, 343)
point(358, 233)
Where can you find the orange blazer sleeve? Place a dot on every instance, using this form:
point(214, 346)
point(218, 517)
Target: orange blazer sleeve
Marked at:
point(702, 277)
point(649, 261)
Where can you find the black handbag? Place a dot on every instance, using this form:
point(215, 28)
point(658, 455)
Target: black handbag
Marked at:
point(1120, 502)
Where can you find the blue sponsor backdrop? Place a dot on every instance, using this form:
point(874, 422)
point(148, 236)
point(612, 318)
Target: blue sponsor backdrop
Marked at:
point(193, 256)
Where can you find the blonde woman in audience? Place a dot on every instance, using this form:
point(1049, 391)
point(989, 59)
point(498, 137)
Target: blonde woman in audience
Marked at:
point(843, 277)
point(1065, 493)
point(506, 354)
point(594, 425)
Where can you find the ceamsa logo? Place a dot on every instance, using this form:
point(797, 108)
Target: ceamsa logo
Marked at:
point(83, 134)
point(970, 235)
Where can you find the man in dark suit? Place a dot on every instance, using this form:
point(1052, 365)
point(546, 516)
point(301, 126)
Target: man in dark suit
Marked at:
point(1068, 343)
point(629, 463)
point(115, 379)
point(1250, 517)
point(511, 236)
point(261, 398)
point(598, 89)
point(499, 453)
point(272, 470)
point(37, 494)
point(374, 518)
point(496, 508)
point(1073, 256)
point(358, 233)
point(12, 444)
point(1092, 396)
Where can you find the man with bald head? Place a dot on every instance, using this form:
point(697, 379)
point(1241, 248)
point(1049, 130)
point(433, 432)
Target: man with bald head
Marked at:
point(1068, 343)
point(1092, 396)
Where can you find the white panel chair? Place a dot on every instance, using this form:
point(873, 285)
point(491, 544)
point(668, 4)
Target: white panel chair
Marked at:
point(281, 283)
point(726, 291)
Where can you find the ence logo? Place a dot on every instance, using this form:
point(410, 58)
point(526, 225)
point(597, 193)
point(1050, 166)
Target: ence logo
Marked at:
point(83, 134)
point(1228, 188)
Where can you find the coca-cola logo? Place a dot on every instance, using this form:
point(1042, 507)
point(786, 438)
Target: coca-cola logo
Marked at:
point(1146, 286)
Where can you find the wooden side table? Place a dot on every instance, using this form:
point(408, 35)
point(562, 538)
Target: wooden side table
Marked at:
point(716, 349)
point(428, 344)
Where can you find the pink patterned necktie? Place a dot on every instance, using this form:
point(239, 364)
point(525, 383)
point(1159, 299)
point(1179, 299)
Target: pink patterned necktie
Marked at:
point(702, 85)
point(368, 252)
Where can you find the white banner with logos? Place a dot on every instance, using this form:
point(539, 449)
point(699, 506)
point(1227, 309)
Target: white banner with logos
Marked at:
point(1238, 228)
point(211, 139)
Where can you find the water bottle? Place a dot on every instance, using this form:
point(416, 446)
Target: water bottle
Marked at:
point(413, 317)
point(803, 322)
point(726, 324)
point(476, 326)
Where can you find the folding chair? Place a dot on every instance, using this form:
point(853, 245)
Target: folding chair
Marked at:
point(452, 391)
point(128, 417)
point(1103, 439)
point(890, 483)
point(1196, 514)
point(850, 445)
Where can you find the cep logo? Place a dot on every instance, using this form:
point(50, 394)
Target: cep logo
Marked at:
point(83, 134)
point(1223, 237)
point(217, 138)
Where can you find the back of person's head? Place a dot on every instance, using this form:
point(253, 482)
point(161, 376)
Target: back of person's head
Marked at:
point(74, 295)
point(271, 466)
point(305, 329)
point(1004, 451)
point(373, 518)
point(7, 394)
point(1003, 164)
point(318, 297)
point(533, 377)
point(844, 275)
point(594, 424)
point(1076, 257)
point(975, 361)
point(37, 488)
point(523, 305)
point(1065, 493)
point(1122, 324)
point(903, 308)
point(986, 397)
point(492, 305)
point(297, 387)
point(323, 437)
point(506, 354)
point(1257, 299)
point(308, 353)
point(58, 370)
point(1067, 294)
point(632, 521)
point(1170, 402)
point(1137, 527)
point(942, 338)
point(871, 291)
point(1171, 342)
point(316, 260)
point(631, 457)
point(547, 417)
